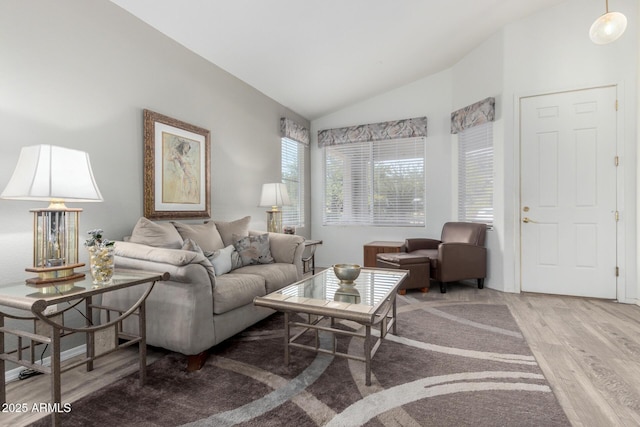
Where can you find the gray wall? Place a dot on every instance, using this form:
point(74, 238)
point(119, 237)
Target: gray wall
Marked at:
point(78, 73)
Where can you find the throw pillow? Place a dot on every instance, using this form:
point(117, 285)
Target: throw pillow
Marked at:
point(253, 249)
point(222, 260)
point(205, 235)
point(157, 234)
point(191, 245)
point(228, 229)
point(236, 261)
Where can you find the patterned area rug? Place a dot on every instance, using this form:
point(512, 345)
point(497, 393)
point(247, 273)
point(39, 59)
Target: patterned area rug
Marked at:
point(454, 364)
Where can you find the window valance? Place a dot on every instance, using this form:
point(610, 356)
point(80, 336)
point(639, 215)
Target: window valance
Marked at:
point(472, 115)
point(294, 131)
point(406, 128)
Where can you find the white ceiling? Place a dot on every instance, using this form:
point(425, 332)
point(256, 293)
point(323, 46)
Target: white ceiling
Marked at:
point(317, 56)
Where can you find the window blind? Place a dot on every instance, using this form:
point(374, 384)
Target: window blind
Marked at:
point(379, 183)
point(293, 178)
point(475, 174)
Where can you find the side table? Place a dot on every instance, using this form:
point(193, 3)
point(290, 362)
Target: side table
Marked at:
point(49, 328)
point(371, 249)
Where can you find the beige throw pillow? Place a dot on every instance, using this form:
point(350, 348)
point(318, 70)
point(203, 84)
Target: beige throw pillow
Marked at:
point(228, 229)
point(205, 235)
point(156, 234)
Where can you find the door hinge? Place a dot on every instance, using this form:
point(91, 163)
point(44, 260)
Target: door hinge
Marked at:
point(617, 216)
point(616, 105)
point(617, 271)
point(617, 161)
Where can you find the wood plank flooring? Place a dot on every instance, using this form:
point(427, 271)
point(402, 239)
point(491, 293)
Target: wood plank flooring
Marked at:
point(588, 349)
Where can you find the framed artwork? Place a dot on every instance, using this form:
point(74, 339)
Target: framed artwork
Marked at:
point(177, 177)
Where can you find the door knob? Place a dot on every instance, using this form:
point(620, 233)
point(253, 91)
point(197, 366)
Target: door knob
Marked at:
point(527, 220)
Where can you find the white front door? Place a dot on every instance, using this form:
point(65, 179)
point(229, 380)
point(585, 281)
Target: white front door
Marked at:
point(568, 193)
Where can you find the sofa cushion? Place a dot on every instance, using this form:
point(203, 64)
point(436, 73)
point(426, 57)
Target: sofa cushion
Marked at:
point(205, 235)
point(156, 234)
point(253, 249)
point(228, 229)
point(276, 276)
point(235, 290)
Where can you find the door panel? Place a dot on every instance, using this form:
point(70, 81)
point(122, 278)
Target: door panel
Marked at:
point(568, 193)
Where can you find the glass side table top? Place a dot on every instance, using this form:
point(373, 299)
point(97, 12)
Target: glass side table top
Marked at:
point(22, 295)
point(324, 294)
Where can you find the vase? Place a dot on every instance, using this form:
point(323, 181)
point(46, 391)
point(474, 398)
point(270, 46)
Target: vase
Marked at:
point(101, 262)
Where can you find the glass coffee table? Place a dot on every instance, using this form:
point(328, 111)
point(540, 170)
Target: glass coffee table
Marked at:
point(370, 301)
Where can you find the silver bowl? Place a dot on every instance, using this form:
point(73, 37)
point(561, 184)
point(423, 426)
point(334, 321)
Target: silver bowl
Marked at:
point(346, 273)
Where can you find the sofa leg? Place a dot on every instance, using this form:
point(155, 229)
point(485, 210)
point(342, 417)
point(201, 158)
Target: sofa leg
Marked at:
point(424, 290)
point(443, 288)
point(195, 362)
point(402, 291)
point(481, 283)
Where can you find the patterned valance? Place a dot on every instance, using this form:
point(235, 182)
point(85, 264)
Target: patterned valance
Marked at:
point(407, 128)
point(292, 130)
point(473, 115)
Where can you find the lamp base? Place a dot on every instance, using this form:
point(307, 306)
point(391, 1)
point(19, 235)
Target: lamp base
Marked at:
point(274, 221)
point(48, 275)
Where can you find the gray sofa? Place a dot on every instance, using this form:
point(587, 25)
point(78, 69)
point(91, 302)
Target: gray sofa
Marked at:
point(200, 307)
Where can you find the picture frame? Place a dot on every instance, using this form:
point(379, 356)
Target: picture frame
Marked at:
point(177, 168)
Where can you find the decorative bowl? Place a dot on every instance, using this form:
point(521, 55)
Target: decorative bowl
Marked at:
point(347, 273)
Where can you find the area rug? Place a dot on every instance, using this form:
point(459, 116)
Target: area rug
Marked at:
point(451, 364)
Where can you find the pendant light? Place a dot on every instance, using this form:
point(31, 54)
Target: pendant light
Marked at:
point(608, 27)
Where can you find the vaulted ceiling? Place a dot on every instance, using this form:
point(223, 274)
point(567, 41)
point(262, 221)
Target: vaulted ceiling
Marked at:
point(317, 56)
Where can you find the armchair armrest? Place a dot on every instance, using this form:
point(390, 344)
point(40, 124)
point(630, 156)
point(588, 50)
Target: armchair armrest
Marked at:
point(462, 260)
point(421, 243)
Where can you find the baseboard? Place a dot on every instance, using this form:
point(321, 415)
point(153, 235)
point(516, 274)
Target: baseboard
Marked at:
point(13, 374)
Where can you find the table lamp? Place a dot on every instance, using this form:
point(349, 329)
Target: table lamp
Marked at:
point(274, 195)
point(57, 175)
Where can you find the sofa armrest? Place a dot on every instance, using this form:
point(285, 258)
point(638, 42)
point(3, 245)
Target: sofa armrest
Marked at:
point(142, 257)
point(285, 248)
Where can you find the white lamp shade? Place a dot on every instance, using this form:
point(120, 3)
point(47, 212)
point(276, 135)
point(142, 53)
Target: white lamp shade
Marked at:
point(50, 173)
point(274, 194)
point(607, 28)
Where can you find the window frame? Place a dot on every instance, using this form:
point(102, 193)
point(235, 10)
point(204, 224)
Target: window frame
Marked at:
point(476, 170)
point(360, 199)
point(294, 214)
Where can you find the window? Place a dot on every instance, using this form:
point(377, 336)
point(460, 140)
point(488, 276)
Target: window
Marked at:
point(475, 174)
point(293, 178)
point(379, 183)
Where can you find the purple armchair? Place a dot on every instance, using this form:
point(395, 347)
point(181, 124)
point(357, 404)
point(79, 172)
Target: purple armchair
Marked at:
point(458, 255)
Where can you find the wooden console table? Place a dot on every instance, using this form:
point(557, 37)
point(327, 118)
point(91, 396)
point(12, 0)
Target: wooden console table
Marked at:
point(371, 249)
point(48, 327)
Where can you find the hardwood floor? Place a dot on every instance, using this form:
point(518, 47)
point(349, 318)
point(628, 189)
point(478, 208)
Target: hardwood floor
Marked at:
point(588, 349)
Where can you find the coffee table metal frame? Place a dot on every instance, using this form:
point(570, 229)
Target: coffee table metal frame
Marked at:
point(372, 311)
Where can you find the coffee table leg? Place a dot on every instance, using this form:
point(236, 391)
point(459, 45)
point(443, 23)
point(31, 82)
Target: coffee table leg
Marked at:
point(367, 354)
point(286, 338)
